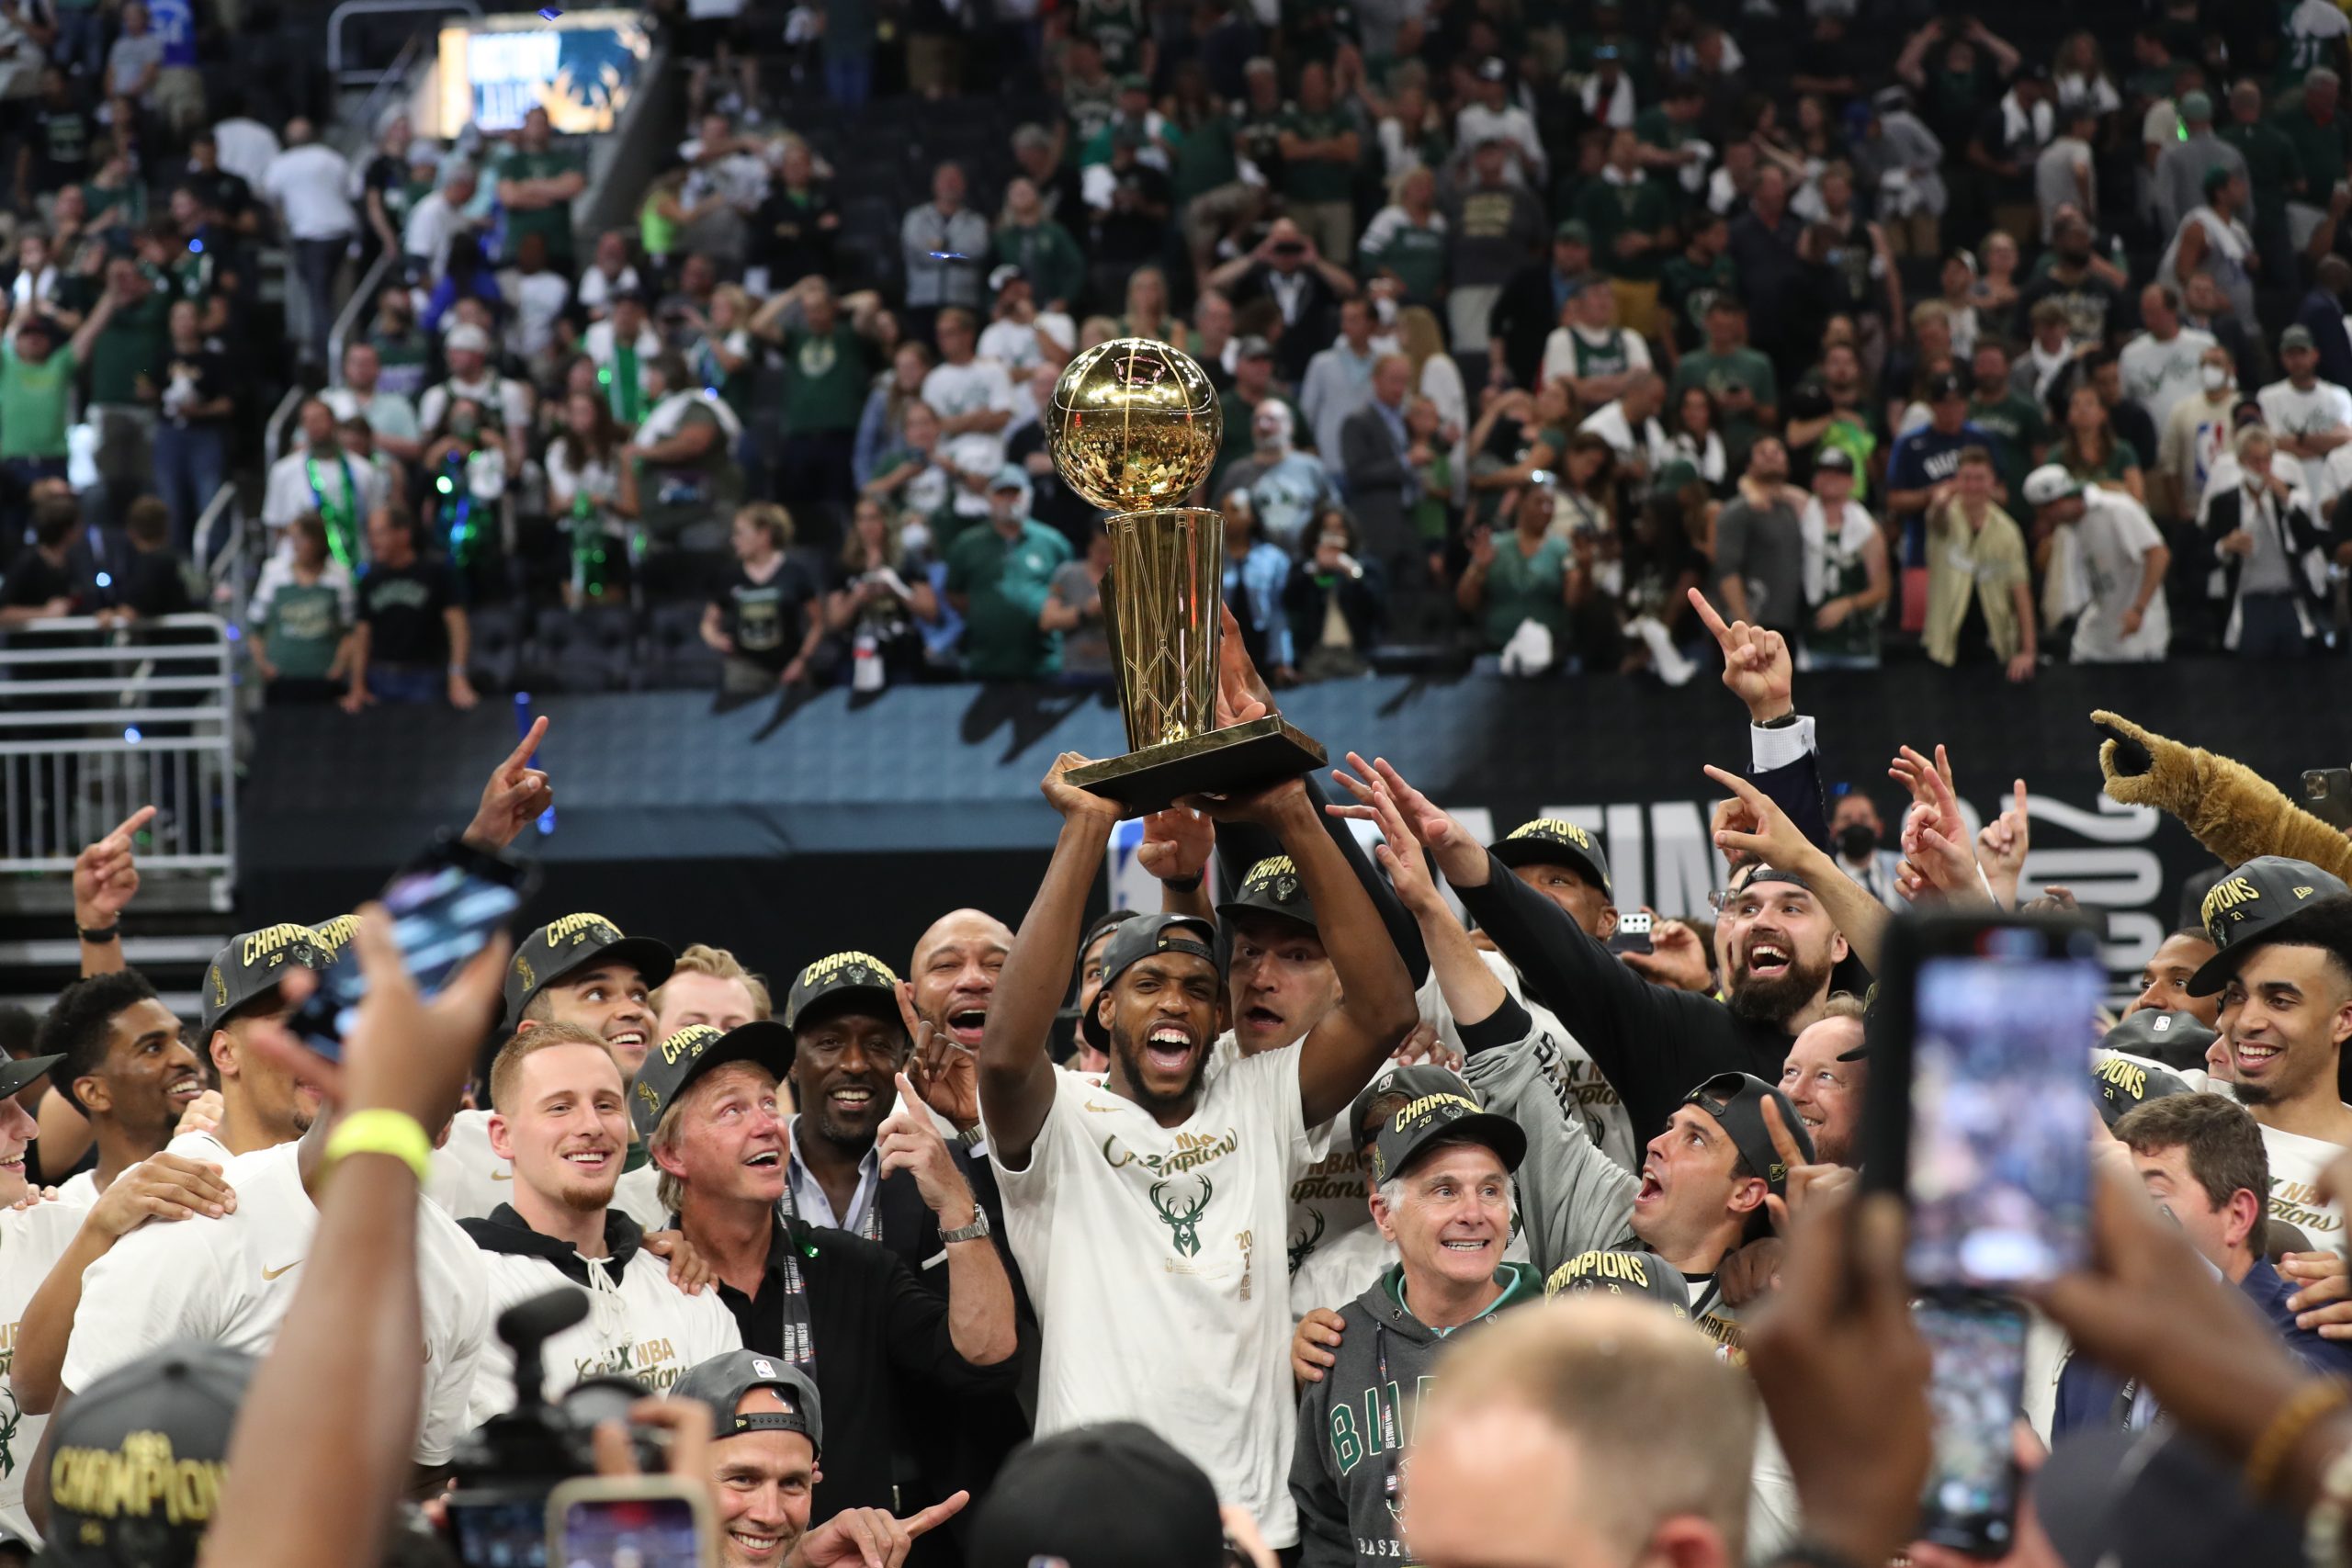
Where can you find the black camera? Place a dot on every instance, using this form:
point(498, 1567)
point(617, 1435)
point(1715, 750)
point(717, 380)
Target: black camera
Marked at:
point(506, 1468)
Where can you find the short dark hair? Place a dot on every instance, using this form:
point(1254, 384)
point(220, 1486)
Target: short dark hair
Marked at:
point(2224, 1145)
point(148, 520)
point(55, 519)
point(1976, 457)
point(402, 519)
point(81, 1019)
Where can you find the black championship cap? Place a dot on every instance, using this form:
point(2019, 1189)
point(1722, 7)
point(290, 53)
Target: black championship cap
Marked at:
point(1737, 1101)
point(2121, 1087)
point(137, 1460)
point(1136, 940)
point(1437, 1105)
point(252, 965)
point(2176, 1039)
point(1623, 1274)
point(2262, 901)
point(1273, 887)
point(1550, 840)
point(844, 980)
point(19, 1073)
point(557, 948)
point(672, 1066)
point(1113, 1495)
point(723, 1381)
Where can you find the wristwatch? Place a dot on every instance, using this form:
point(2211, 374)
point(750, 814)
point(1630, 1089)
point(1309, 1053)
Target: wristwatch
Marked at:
point(973, 1231)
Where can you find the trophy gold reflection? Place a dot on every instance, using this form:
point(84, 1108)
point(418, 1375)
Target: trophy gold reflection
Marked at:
point(1134, 422)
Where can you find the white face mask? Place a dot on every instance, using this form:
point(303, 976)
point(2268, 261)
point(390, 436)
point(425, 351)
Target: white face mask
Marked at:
point(2215, 377)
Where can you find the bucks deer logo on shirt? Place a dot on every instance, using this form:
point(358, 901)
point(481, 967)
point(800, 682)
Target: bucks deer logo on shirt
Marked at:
point(1301, 1246)
point(1183, 1220)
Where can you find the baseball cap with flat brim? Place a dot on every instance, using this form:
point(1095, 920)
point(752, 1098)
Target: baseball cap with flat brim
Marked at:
point(673, 1066)
point(1133, 940)
point(2270, 900)
point(1554, 841)
point(565, 947)
point(21, 1072)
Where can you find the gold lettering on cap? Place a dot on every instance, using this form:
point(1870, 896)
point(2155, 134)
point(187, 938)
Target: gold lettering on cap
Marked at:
point(2223, 897)
point(136, 1481)
point(825, 968)
point(270, 939)
point(1553, 828)
point(579, 927)
point(1416, 1111)
point(687, 1043)
point(2128, 1076)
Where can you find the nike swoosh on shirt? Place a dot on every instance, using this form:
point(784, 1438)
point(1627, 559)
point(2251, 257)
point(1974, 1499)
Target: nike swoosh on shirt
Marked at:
point(274, 1273)
point(502, 1176)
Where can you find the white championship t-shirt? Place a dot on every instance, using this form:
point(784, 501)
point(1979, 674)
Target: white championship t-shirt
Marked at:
point(232, 1281)
point(468, 1180)
point(1157, 1258)
point(31, 1241)
point(2110, 544)
point(2295, 1161)
point(640, 1325)
point(977, 386)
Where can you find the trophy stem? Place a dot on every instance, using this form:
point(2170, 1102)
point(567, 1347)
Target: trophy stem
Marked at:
point(1164, 597)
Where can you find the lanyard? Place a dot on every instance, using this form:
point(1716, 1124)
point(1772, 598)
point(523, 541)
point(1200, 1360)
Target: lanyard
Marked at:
point(341, 538)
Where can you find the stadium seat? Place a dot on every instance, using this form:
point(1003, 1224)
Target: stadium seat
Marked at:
point(495, 652)
point(675, 655)
point(592, 650)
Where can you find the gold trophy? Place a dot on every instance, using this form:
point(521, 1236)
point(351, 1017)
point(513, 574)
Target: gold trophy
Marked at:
point(1134, 422)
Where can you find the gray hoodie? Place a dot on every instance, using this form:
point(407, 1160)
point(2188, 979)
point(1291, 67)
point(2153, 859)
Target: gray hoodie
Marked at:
point(1352, 1426)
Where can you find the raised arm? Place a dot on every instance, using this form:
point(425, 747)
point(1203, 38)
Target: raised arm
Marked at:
point(1016, 1075)
point(106, 879)
point(980, 1319)
point(1341, 1054)
point(1471, 991)
point(1764, 830)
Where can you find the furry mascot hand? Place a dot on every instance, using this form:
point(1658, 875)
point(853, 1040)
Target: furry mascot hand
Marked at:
point(2234, 811)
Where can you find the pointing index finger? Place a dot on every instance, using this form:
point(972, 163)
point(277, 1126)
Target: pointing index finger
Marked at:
point(1707, 617)
point(120, 838)
point(521, 755)
point(1785, 1143)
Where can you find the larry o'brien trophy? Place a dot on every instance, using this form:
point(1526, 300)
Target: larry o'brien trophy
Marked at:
point(1135, 422)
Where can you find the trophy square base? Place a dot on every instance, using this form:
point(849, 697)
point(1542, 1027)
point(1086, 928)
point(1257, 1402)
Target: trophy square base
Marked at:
point(1235, 759)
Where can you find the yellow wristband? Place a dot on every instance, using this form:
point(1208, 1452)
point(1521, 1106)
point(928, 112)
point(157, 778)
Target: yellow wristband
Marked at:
point(393, 1132)
point(2313, 1401)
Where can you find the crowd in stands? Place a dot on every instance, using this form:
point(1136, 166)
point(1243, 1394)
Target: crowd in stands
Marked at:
point(1523, 322)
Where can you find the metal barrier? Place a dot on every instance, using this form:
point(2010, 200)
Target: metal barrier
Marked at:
point(354, 310)
point(350, 8)
point(273, 436)
point(96, 721)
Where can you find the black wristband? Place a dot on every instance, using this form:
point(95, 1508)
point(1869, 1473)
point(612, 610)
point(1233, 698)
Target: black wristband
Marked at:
point(1783, 722)
point(1181, 884)
point(102, 934)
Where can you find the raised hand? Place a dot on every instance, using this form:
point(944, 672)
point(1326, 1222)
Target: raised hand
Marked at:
point(2001, 846)
point(907, 1141)
point(1460, 857)
point(1757, 668)
point(1177, 843)
point(1399, 852)
point(1808, 1181)
point(1075, 803)
point(1754, 826)
point(1676, 958)
point(1935, 837)
point(105, 873)
point(945, 1074)
point(515, 796)
point(873, 1537)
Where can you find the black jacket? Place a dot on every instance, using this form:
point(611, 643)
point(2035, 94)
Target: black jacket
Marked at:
point(883, 1360)
point(1654, 1044)
point(2305, 534)
point(1523, 316)
point(507, 1232)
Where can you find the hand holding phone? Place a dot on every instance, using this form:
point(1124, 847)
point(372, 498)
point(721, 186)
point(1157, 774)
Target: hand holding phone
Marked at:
point(1633, 932)
point(638, 1521)
point(1974, 1394)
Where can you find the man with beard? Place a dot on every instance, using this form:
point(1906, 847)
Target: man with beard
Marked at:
point(561, 1116)
point(890, 1355)
point(124, 1066)
point(1146, 1212)
point(1777, 939)
point(2164, 978)
point(2282, 934)
point(581, 972)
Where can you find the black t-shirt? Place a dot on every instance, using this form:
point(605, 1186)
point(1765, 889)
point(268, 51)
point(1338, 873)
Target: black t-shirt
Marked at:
point(767, 621)
point(1133, 235)
point(401, 608)
point(206, 374)
point(156, 585)
point(61, 139)
point(219, 189)
point(34, 580)
point(788, 237)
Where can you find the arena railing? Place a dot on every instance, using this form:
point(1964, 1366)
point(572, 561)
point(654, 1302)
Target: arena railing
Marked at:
point(96, 721)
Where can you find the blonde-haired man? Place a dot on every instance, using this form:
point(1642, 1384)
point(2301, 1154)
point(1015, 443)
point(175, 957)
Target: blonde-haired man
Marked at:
point(1594, 1431)
point(709, 986)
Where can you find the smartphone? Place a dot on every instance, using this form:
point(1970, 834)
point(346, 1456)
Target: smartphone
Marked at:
point(643, 1521)
point(1976, 1387)
point(1633, 932)
point(2327, 794)
point(498, 1526)
point(445, 905)
point(1980, 1093)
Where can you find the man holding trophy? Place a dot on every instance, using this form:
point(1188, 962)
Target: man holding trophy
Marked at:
point(1149, 1214)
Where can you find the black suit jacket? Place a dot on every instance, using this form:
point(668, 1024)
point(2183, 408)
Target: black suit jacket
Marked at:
point(2305, 534)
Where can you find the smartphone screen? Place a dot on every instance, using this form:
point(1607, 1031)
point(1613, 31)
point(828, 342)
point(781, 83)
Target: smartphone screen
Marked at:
point(1999, 1164)
point(498, 1530)
point(628, 1532)
point(1977, 1349)
point(445, 905)
point(1633, 933)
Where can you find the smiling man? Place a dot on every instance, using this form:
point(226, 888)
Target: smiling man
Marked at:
point(125, 1066)
point(560, 1115)
point(1439, 1170)
point(892, 1358)
point(709, 985)
point(767, 1431)
point(2283, 935)
point(1147, 1213)
point(2164, 978)
point(1826, 1079)
point(955, 971)
point(581, 972)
